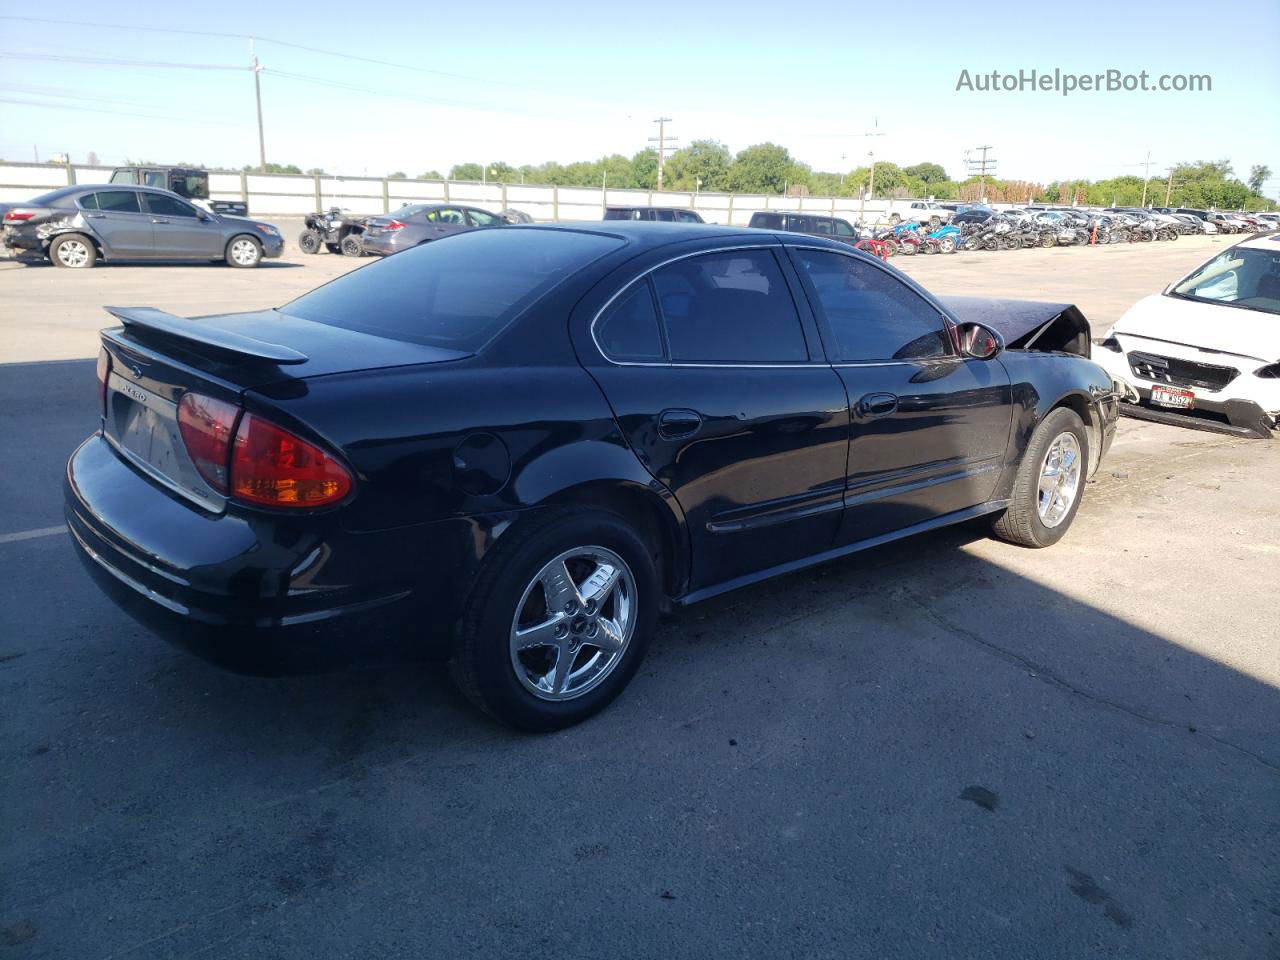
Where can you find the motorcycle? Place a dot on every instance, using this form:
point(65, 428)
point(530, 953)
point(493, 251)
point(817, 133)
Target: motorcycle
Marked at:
point(943, 240)
point(335, 231)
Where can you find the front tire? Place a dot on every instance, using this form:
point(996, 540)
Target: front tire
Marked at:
point(73, 251)
point(244, 253)
point(559, 619)
point(309, 241)
point(1050, 482)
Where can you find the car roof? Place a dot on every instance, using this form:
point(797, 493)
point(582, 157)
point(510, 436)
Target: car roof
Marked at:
point(646, 233)
point(1270, 241)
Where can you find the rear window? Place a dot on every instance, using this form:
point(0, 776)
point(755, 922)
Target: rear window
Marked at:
point(618, 213)
point(457, 293)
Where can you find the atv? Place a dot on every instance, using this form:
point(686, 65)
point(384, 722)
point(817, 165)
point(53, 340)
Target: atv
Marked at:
point(335, 231)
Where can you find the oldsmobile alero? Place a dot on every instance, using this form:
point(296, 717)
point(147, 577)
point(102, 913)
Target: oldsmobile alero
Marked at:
point(514, 447)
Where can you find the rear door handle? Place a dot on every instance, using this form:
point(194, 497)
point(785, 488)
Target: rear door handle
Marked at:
point(675, 424)
point(159, 220)
point(95, 216)
point(875, 405)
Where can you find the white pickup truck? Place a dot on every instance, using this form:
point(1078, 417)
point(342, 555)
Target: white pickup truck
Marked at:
point(925, 211)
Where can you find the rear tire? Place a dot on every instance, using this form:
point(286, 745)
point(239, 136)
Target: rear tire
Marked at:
point(352, 246)
point(508, 597)
point(309, 241)
point(74, 251)
point(1045, 502)
point(244, 252)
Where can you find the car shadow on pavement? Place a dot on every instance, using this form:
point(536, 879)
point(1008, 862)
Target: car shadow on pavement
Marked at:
point(913, 752)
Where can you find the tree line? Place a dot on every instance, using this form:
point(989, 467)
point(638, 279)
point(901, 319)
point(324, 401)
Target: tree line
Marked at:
point(769, 168)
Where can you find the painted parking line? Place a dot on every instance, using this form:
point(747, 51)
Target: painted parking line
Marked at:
point(31, 534)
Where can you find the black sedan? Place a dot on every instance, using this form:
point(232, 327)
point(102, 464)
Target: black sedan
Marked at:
point(515, 447)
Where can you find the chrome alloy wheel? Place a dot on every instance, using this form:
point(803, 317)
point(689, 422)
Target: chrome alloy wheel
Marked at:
point(244, 252)
point(573, 623)
point(1059, 479)
point(73, 253)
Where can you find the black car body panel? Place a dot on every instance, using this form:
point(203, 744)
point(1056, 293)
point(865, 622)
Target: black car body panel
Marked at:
point(737, 471)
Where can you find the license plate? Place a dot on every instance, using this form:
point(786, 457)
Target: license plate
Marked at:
point(1173, 397)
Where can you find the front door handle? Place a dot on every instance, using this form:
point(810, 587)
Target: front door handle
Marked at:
point(875, 405)
point(95, 216)
point(159, 220)
point(676, 424)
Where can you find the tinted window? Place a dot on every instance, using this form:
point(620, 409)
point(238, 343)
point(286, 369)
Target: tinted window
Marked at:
point(688, 216)
point(628, 330)
point(89, 201)
point(844, 230)
point(123, 201)
point(169, 206)
point(870, 314)
point(729, 308)
point(458, 294)
point(800, 224)
point(482, 218)
point(822, 225)
point(768, 221)
point(617, 213)
point(668, 216)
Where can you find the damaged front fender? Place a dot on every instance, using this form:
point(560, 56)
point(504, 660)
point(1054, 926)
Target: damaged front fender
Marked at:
point(1027, 324)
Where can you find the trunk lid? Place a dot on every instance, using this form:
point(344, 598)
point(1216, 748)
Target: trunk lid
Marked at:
point(157, 357)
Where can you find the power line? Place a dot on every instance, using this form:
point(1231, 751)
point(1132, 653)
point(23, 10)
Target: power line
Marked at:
point(281, 43)
point(115, 61)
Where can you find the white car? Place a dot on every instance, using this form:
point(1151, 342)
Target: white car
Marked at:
point(1206, 352)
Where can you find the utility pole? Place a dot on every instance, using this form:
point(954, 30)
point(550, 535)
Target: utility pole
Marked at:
point(1168, 190)
point(982, 168)
point(662, 139)
point(257, 92)
point(1146, 166)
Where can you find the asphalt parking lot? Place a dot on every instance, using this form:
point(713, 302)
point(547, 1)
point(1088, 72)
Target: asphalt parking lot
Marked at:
point(945, 748)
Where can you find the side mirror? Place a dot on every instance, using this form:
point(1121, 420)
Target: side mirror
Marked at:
point(979, 342)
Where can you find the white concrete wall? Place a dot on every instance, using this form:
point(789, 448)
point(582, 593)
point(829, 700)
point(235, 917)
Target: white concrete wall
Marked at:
point(294, 194)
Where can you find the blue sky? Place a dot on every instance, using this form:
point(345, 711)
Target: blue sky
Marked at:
point(578, 80)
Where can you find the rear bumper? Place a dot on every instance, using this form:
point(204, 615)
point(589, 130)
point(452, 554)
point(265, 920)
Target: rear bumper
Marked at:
point(381, 244)
point(260, 593)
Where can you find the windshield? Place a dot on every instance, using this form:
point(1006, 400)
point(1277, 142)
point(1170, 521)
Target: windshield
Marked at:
point(1241, 277)
point(457, 293)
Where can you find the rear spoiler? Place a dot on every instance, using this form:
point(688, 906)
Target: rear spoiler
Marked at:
point(149, 318)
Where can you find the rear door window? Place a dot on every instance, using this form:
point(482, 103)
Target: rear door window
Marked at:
point(120, 201)
point(730, 307)
point(628, 329)
point(869, 314)
point(767, 221)
point(844, 230)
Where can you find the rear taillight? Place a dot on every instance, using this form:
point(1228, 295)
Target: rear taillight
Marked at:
point(275, 468)
point(18, 216)
point(104, 374)
point(394, 225)
point(257, 461)
point(207, 426)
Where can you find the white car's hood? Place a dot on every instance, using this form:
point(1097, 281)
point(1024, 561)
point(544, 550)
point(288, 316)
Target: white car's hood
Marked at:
point(1246, 333)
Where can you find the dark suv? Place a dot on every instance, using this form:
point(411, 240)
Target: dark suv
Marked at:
point(187, 182)
point(806, 223)
point(667, 214)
